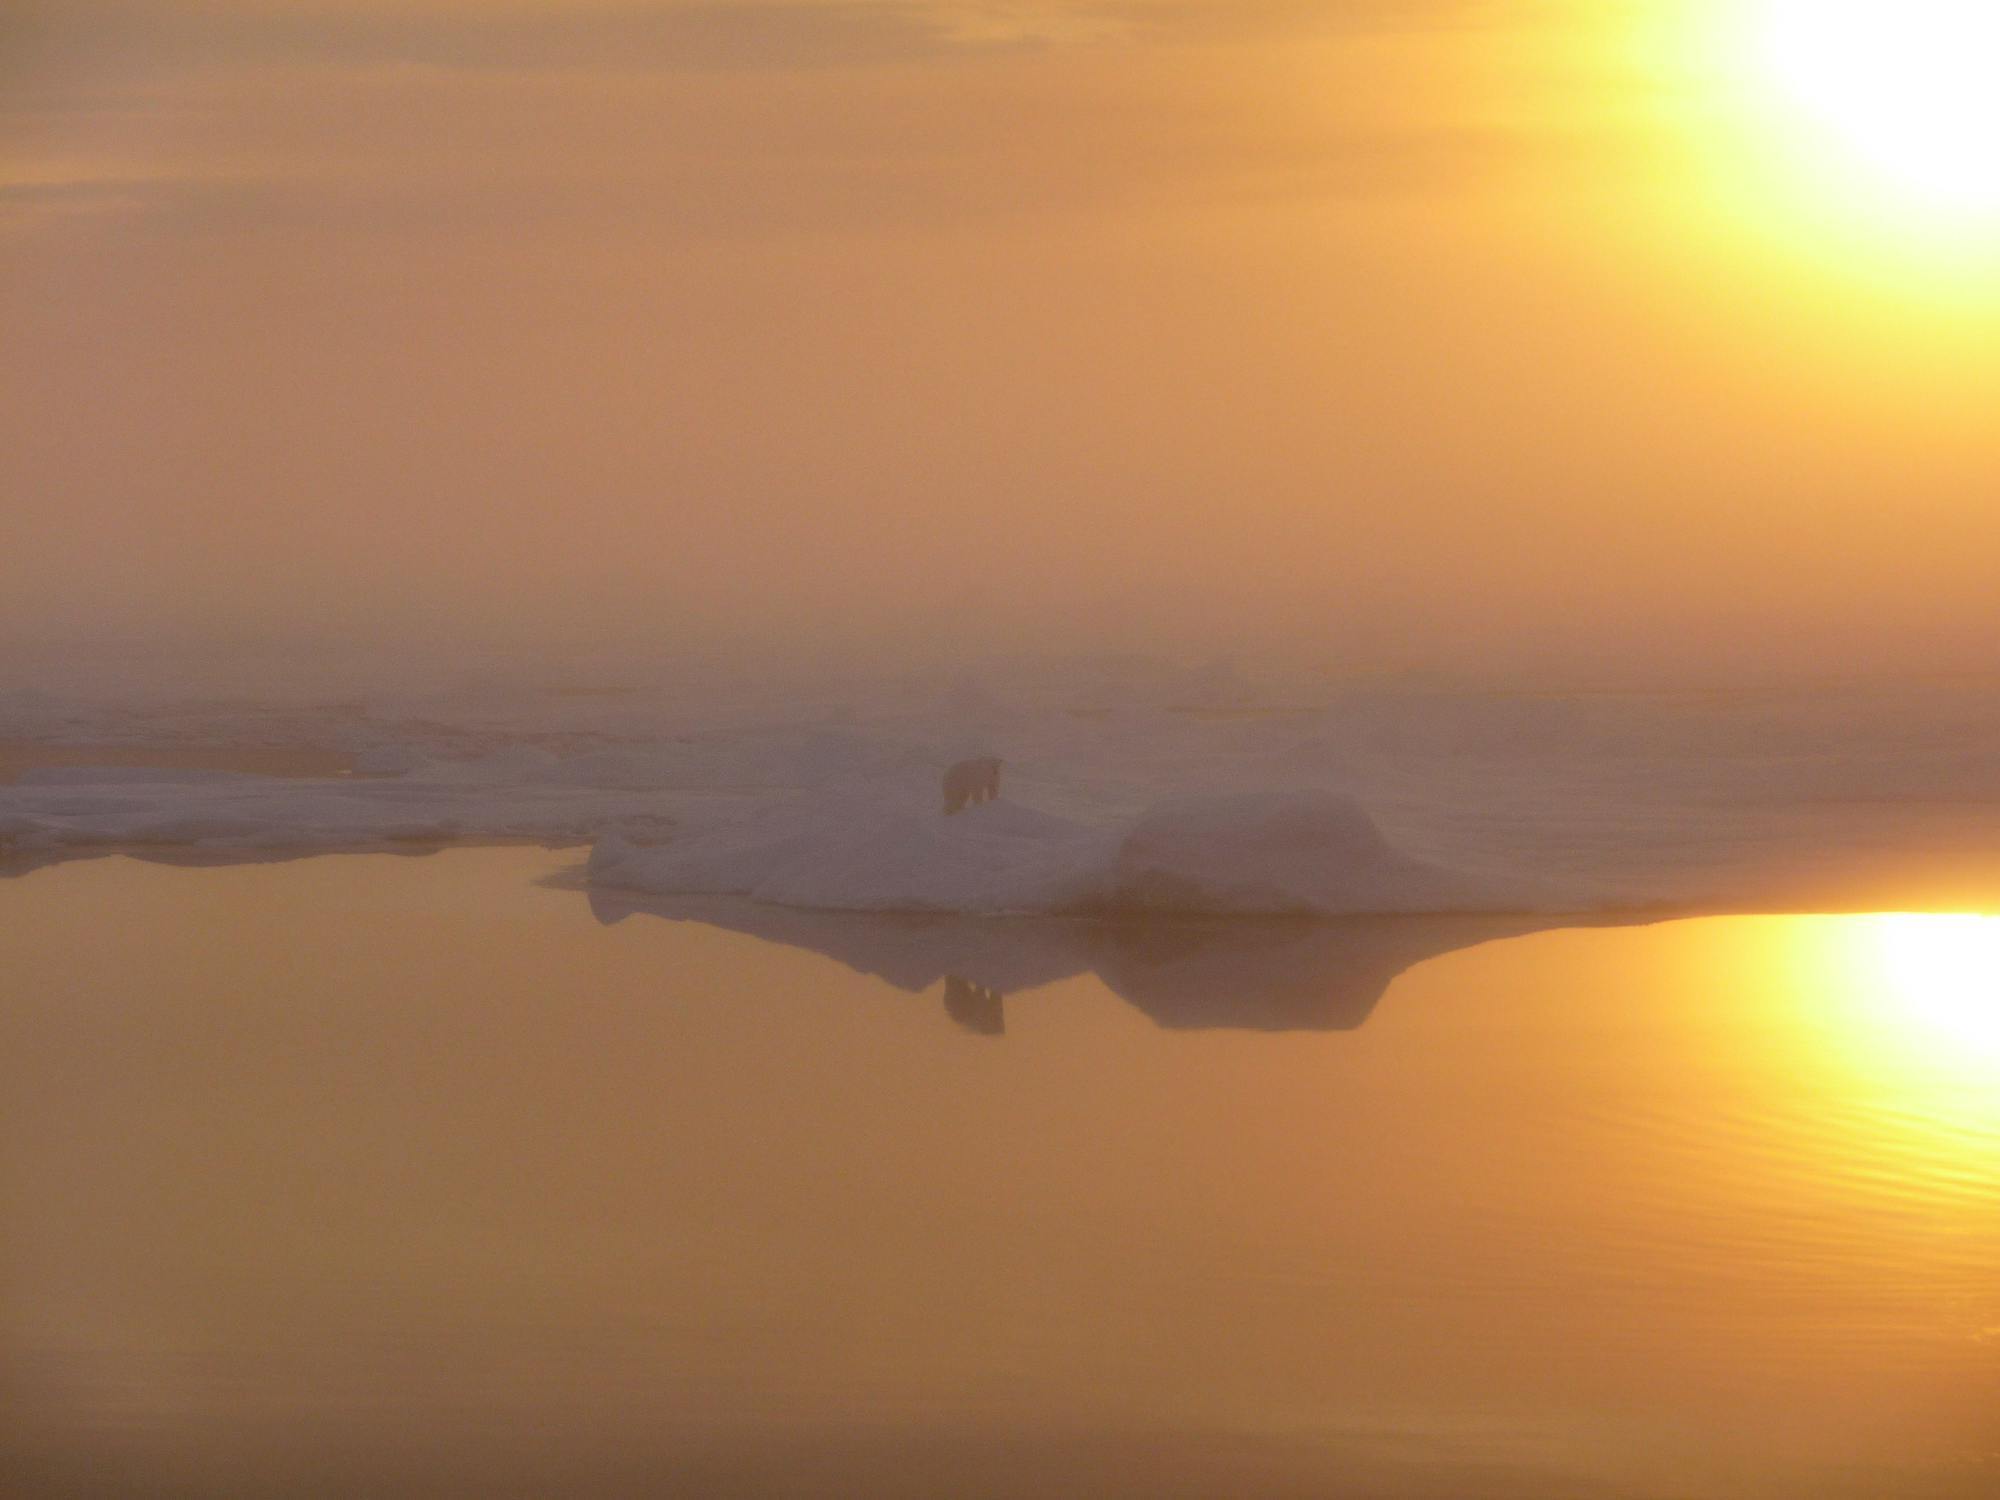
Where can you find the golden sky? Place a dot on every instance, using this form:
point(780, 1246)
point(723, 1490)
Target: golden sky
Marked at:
point(1448, 332)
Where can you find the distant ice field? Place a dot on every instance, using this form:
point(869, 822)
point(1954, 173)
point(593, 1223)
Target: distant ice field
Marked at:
point(1128, 786)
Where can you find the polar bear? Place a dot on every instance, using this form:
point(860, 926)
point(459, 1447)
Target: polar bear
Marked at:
point(971, 781)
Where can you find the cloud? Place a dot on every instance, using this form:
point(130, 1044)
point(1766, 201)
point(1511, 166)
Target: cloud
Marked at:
point(173, 35)
point(55, 36)
point(683, 199)
point(703, 119)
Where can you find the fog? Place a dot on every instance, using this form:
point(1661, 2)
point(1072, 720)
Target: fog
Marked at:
point(1424, 335)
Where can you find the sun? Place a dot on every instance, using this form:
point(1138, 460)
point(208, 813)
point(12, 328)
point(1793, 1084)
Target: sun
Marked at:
point(1909, 88)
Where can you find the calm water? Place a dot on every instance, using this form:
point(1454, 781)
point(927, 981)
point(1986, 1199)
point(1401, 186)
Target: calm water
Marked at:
point(387, 1177)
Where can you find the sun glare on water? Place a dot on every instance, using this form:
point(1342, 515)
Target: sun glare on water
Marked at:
point(1909, 88)
point(1944, 972)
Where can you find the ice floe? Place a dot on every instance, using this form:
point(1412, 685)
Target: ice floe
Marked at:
point(1129, 786)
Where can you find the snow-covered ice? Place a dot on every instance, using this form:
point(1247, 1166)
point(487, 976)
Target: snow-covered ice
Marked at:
point(1243, 854)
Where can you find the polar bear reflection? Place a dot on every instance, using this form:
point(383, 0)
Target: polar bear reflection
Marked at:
point(979, 1010)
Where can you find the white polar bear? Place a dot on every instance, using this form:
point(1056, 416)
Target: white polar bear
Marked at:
point(971, 781)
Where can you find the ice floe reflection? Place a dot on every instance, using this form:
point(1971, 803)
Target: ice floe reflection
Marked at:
point(1194, 974)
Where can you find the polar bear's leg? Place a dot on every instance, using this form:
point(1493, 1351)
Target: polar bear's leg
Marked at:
point(960, 785)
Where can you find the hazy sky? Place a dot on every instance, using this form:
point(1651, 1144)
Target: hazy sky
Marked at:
point(1392, 331)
